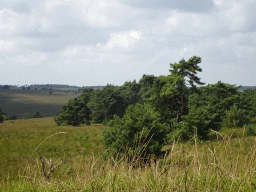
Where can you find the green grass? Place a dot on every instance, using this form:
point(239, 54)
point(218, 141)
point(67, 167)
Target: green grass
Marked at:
point(18, 140)
point(224, 164)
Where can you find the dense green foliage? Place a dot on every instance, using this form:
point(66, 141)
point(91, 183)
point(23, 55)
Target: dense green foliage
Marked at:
point(185, 111)
point(219, 98)
point(236, 117)
point(250, 129)
point(117, 108)
point(170, 98)
point(139, 129)
point(247, 101)
point(75, 112)
point(197, 122)
point(100, 101)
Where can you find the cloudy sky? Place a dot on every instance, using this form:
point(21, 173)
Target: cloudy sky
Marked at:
point(95, 42)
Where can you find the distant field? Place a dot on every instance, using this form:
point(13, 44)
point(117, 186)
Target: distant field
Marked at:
point(28, 102)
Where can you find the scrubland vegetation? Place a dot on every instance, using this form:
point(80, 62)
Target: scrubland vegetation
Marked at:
point(224, 163)
point(155, 135)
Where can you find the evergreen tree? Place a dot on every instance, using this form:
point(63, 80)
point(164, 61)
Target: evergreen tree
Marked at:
point(74, 113)
point(100, 101)
point(170, 92)
point(221, 97)
point(147, 82)
point(85, 95)
point(117, 108)
point(247, 101)
point(236, 117)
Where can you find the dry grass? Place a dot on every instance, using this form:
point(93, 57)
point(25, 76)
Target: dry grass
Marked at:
point(226, 164)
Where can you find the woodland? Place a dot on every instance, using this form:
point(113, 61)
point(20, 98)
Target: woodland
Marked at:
point(160, 110)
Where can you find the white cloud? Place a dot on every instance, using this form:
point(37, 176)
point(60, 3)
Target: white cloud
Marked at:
point(218, 2)
point(12, 23)
point(7, 45)
point(124, 41)
point(25, 60)
point(8, 21)
point(50, 5)
point(104, 13)
point(195, 24)
point(101, 37)
point(72, 51)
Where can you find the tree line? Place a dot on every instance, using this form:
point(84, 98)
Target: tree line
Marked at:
point(159, 110)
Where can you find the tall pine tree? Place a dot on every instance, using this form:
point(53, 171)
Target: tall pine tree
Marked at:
point(170, 93)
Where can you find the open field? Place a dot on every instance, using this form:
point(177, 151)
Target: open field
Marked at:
point(222, 164)
point(18, 139)
point(28, 102)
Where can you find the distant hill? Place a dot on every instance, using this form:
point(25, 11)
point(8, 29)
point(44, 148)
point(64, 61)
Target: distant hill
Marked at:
point(60, 86)
point(55, 86)
point(246, 87)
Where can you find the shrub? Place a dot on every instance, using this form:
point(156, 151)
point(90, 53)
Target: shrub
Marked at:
point(236, 117)
point(74, 113)
point(138, 126)
point(36, 115)
point(6, 116)
point(27, 117)
point(197, 121)
point(11, 117)
point(250, 130)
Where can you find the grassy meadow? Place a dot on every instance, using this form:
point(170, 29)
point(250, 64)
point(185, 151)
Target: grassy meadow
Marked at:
point(23, 102)
point(38, 155)
point(225, 163)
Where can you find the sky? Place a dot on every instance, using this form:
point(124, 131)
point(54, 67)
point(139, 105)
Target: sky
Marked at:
point(100, 42)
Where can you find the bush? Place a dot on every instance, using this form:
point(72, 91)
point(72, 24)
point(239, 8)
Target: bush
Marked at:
point(138, 126)
point(6, 116)
point(74, 113)
point(250, 130)
point(197, 121)
point(11, 117)
point(36, 115)
point(236, 117)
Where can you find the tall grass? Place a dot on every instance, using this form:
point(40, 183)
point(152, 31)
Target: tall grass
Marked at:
point(224, 164)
